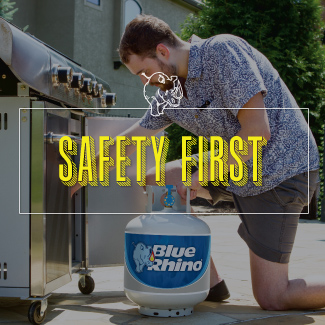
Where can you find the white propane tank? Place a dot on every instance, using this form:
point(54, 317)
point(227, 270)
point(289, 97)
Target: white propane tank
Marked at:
point(167, 261)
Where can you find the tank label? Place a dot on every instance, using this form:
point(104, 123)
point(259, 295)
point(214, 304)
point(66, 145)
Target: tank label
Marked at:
point(167, 262)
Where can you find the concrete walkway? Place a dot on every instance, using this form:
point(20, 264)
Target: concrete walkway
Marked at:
point(108, 304)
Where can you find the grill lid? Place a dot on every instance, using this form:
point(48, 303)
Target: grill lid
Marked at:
point(51, 73)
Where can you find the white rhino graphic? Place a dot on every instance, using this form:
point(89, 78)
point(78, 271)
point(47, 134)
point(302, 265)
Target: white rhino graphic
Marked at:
point(141, 255)
point(162, 99)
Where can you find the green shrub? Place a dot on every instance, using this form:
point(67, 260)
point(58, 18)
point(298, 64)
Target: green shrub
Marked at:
point(7, 9)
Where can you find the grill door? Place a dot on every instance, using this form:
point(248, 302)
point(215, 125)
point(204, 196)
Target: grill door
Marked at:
point(106, 232)
point(57, 201)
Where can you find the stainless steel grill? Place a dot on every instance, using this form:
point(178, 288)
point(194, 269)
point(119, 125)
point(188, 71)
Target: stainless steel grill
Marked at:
point(43, 233)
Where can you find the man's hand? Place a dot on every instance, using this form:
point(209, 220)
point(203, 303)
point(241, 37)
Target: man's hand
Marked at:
point(74, 189)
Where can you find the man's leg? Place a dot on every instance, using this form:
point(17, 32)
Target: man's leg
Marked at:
point(274, 291)
point(174, 176)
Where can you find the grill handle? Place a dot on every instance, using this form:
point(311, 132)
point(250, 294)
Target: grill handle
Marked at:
point(52, 138)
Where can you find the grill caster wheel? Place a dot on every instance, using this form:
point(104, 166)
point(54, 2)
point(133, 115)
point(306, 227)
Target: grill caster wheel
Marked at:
point(34, 313)
point(89, 286)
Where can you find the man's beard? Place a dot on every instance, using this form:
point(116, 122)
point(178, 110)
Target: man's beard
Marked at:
point(169, 70)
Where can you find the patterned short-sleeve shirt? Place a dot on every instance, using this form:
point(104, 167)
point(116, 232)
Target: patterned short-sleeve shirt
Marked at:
point(225, 71)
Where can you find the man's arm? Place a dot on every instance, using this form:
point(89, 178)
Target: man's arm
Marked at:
point(135, 130)
point(254, 122)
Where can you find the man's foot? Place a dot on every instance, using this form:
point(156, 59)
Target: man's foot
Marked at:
point(218, 293)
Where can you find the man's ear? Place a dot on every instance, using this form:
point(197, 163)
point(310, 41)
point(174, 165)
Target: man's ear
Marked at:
point(162, 51)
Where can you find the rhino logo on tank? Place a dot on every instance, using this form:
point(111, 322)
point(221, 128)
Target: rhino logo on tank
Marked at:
point(141, 256)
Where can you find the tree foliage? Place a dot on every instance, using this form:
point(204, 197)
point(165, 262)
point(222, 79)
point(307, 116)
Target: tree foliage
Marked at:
point(175, 134)
point(287, 32)
point(7, 9)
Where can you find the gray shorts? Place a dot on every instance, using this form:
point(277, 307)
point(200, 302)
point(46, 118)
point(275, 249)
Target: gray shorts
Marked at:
point(271, 236)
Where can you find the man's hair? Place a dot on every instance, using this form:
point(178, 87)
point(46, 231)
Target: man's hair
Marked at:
point(143, 34)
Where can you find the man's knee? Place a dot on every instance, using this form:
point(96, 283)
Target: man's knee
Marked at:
point(270, 282)
point(270, 294)
point(270, 301)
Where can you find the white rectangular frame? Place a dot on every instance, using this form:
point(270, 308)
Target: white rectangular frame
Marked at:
point(137, 213)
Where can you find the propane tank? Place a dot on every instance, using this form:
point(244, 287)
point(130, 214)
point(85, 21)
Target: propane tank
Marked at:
point(167, 257)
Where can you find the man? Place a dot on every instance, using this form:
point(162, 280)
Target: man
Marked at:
point(226, 72)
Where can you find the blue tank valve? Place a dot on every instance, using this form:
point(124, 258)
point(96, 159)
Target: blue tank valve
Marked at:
point(169, 200)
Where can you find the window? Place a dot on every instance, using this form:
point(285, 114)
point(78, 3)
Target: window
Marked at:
point(131, 10)
point(95, 2)
point(125, 10)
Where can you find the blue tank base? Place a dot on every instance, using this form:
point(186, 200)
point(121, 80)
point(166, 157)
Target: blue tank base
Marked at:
point(166, 312)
